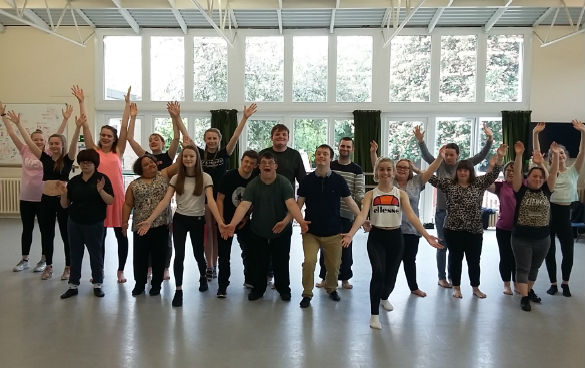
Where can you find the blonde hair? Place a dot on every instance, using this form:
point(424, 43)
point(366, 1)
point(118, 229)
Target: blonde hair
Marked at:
point(378, 162)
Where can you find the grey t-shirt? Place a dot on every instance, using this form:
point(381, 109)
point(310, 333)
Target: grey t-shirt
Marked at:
point(413, 188)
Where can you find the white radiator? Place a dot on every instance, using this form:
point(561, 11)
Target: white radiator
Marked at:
point(9, 197)
point(493, 219)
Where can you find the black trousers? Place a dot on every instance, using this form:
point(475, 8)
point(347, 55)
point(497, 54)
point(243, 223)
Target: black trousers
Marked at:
point(464, 243)
point(507, 260)
point(260, 251)
point(409, 259)
point(51, 210)
point(345, 272)
point(153, 246)
point(194, 226)
point(28, 211)
point(224, 255)
point(560, 226)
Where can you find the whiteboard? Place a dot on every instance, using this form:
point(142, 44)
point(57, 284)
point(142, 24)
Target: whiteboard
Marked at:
point(46, 117)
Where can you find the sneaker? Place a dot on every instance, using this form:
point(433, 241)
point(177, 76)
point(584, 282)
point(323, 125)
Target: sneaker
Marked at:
point(214, 272)
point(566, 290)
point(209, 274)
point(305, 302)
point(247, 285)
point(221, 293)
point(533, 297)
point(285, 297)
point(21, 266)
point(254, 296)
point(47, 273)
point(69, 293)
point(178, 298)
point(98, 292)
point(525, 304)
point(203, 284)
point(154, 291)
point(387, 305)
point(40, 267)
point(552, 290)
point(66, 273)
point(334, 296)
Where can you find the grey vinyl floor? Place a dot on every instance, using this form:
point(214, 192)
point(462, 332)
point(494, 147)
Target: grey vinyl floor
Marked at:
point(40, 330)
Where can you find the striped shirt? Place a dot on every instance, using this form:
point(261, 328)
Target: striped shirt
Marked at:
point(355, 179)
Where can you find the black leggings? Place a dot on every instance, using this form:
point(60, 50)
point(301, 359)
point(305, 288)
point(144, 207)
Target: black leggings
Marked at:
point(28, 211)
point(409, 259)
point(560, 225)
point(507, 260)
point(194, 226)
point(462, 243)
point(122, 247)
point(50, 209)
point(385, 249)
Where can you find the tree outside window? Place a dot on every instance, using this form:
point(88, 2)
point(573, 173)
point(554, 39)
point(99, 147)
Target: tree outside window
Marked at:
point(354, 69)
point(410, 69)
point(309, 134)
point(504, 68)
point(264, 71)
point(310, 68)
point(455, 130)
point(402, 142)
point(458, 68)
point(259, 134)
point(167, 69)
point(210, 69)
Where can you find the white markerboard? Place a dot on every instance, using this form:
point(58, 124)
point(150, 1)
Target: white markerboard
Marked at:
point(46, 117)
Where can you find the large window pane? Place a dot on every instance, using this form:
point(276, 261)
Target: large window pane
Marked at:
point(264, 75)
point(410, 69)
point(504, 68)
point(309, 134)
point(354, 69)
point(310, 68)
point(259, 133)
point(458, 68)
point(210, 69)
point(129, 156)
point(401, 140)
point(167, 69)
point(495, 124)
point(164, 127)
point(455, 130)
point(200, 126)
point(122, 67)
point(343, 128)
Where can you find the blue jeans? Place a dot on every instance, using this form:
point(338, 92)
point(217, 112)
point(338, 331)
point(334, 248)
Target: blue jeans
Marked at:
point(440, 216)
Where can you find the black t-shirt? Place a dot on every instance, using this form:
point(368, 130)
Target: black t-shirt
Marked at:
point(49, 172)
point(163, 160)
point(232, 185)
point(290, 164)
point(87, 206)
point(215, 164)
point(532, 215)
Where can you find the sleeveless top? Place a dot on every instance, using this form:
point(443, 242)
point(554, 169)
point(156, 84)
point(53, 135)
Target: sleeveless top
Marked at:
point(111, 166)
point(385, 210)
point(147, 195)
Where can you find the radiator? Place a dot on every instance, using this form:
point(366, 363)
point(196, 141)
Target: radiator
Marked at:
point(493, 219)
point(9, 197)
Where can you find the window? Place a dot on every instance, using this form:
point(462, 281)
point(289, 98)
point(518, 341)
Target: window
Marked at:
point(455, 130)
point(167, 69)
point(410, 69)
point(310, 68)
point(264, 71)
point(504, 68)
point(309, 134)
point(402, 142)
point(495, 124)
point(122, 67)
point(259, 134)
point(164, 127)
point(129, 156)
point(458, 68)
point(199, 128)
point(354, 69)
point(210, 69)
point(343, 128)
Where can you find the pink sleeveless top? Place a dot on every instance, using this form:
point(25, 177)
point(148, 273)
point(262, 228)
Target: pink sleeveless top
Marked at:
point(111, 165)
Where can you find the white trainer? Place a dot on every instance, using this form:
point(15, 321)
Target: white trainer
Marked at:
point(22, 265)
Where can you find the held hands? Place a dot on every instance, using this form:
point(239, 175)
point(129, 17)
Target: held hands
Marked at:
point(78, 93)
point(488, 131)
point(174, 109)
point(373, 146)
point(248, 111)
point(67, 112)
point(226, 231)
point(519, 148)
point(133, 110)
point(578, 125)
point(539, 127)
point(420, 135)
point(433, 241)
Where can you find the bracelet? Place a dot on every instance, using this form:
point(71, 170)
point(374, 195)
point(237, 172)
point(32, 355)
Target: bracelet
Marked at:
point(3, 114)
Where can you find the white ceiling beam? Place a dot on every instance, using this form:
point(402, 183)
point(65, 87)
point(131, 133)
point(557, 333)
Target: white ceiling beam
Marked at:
point(127, 16)
point(544, 15)
point(409, 15)
point(233, 18)
point(279, 15)
point(2, 28)
point(332, 23)
point(548, 43)
point(178, 16)
point(497, 15)
point(212, 23)
point(437, 16)
point(84, 17)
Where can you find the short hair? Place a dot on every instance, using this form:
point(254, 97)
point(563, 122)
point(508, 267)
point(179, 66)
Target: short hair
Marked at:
point(467, 165)
point(378, 162)
point(509, 163)
point(410, 173)
point(267, 155)
point(542, 170)
point(326, 146)
point(348, 139)
point(159, 137)
point(251, 154)
point(89, 155)
point(137, 166)
point(277, 128)
point(453, 146)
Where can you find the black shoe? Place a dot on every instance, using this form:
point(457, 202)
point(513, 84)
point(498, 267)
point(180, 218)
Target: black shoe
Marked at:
point(137, 290)
point(69, 293)
point(98, 292)
point(285, 297)
point(221, 293)
point(306, 302)
point(154, 291)
point(178, 298)
point(525, 304)
point(533, 297)
point(334, 296)
point(566, 290)
point(254, 296)
point(203, 284)
point(552, 290)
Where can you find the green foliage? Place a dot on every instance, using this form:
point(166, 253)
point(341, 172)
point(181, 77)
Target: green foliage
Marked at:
point(264, 74)
point(503, 68)
point(455, 131)
point(259, 134)
point(168, 69)
point(458, 63)
point(210, 73)
point(343, 128)
point(310, 69)
point(309, 134)
point(401, 141)
point(410, 69)
point(354, 69)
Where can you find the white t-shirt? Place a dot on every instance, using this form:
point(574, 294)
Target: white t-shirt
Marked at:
point(385, 211)
point(187, 203)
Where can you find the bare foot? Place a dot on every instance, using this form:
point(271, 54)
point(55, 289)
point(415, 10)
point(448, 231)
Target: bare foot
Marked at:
point(320, 284)
point(444, 283)
point(346, 285)
point(508, 290)
point(149, 272)
point(457, 292)
point(121, 278)
point(478, 293)
point(166, 275)
point(419, 292)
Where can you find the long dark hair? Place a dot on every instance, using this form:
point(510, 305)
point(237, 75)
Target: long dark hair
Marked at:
point(115, 133)
point(180, 184)
point(465, 164)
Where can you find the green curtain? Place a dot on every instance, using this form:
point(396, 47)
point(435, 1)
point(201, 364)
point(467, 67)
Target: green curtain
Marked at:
point(368, 125)
point(227, 121)
point(516, 127)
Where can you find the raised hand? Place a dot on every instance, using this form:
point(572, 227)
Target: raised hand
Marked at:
point(502, 150)
point(174, 109)
point(100, 184)
point(537, 158)
point(555, 148)
point(67, 112)
point(488, 131)
point(133, 110)
point(81, 121)
point(248, 111)
point(2, 108)
point(373, 146)
point(127, 96)
point(420, 135)
point(14, 117)
point(578, 125)
point(539, 127)
point(519, 148)
point(78, 93)
point(442, 151)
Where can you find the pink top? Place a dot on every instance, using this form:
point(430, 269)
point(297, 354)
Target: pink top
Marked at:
point(31, 182)
point(111, 165)
point(505, 193)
